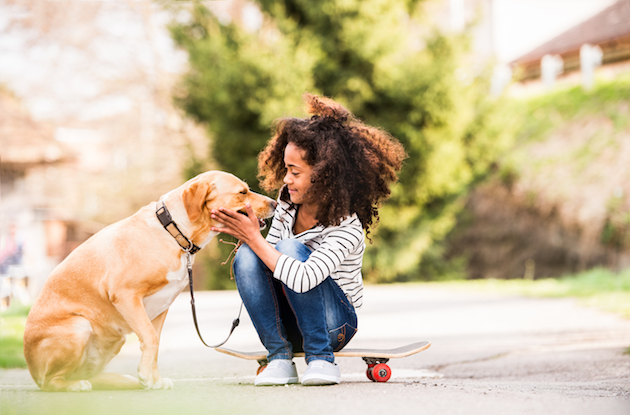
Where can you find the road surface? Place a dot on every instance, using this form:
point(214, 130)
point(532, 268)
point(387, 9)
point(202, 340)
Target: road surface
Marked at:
point(490, 354)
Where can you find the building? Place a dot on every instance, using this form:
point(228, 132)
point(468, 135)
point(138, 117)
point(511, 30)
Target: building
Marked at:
point(607, 36)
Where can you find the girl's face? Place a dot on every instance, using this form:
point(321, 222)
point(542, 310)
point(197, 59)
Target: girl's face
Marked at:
point(298, 177)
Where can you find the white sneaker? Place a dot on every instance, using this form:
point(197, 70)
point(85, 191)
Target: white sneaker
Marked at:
point(321, 372)
point(277, 372)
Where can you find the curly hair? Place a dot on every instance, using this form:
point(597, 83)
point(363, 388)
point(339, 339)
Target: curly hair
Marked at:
point(353, 163)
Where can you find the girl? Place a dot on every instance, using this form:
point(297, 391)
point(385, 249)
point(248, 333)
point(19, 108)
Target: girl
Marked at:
point(302, 283)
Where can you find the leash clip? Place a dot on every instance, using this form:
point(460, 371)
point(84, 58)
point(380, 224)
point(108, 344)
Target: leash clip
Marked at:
point(189, 260)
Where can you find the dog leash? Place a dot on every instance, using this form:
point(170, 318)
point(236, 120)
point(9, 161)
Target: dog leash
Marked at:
point(236, 321)
point(165, 218)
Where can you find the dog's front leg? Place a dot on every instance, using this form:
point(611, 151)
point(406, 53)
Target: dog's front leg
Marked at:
point(158, 323)
point(134, 313)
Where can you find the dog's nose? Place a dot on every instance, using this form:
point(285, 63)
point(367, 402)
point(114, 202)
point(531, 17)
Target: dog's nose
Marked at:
point(274, 204)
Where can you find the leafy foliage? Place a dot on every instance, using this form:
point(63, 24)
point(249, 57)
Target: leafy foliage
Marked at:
point(362, 54)
point(239, 83)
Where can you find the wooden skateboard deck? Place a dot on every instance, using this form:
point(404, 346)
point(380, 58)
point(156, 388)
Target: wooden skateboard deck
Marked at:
point(376, 359)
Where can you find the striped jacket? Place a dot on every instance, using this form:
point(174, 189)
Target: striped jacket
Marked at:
point(337, 252)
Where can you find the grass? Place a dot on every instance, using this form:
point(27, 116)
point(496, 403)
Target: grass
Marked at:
point(598, 287)
point(12, 323)
point(562, 112)
point(545, 113)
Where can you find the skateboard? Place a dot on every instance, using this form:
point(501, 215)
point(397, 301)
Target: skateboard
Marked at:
point(376, 359)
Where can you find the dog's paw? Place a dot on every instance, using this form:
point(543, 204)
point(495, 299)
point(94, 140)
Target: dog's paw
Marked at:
point(163, 383)
point(159, 383)
point(145, 381)
point(80, 386)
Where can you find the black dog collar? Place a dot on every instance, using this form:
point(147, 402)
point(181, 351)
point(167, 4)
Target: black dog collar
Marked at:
point(169, 224)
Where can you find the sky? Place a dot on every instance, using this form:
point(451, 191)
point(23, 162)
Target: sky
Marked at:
point(522, 25)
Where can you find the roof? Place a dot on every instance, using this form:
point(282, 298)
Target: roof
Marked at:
point(24, 141)
point(609, 25)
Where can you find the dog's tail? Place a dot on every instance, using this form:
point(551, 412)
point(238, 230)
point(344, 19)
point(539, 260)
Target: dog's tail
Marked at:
point(114, 381)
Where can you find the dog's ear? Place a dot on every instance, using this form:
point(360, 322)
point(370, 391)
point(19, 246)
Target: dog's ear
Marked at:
point(195, 197)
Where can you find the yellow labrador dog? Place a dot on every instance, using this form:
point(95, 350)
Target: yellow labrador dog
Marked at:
point(124, 279)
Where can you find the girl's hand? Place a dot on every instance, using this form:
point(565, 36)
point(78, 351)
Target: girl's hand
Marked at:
point(236, 224)
point(247, 229)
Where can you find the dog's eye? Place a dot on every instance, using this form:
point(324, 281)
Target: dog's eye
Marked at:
point(243, 192)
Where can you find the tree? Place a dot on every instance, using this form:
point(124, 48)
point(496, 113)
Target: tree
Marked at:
point(360, 53)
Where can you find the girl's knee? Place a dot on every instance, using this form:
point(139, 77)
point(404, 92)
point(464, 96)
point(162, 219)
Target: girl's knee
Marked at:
point(288, 245)
point(245, 259)
point(294, 249)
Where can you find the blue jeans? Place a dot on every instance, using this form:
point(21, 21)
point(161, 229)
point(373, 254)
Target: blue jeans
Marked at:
point(317, 322)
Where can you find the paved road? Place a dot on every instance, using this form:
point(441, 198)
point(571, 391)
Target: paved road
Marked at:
point(491, 354)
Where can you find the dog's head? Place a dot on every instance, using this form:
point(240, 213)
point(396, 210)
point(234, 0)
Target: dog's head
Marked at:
point(215, 189)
